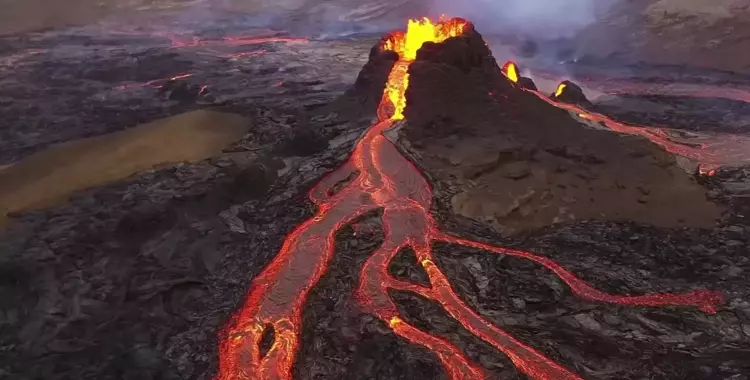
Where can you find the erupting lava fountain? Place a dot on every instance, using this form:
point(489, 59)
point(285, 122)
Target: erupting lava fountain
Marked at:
point(388, 181)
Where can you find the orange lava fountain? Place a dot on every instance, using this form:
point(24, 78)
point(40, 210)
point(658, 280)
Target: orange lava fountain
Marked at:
point(387, 180)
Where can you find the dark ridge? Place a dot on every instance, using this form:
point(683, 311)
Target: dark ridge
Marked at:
point(572, 94)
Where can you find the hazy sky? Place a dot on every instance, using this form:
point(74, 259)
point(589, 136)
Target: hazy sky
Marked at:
point(532, 18)
point(536, 17)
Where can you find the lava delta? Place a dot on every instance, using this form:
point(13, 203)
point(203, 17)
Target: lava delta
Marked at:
point(435, 83)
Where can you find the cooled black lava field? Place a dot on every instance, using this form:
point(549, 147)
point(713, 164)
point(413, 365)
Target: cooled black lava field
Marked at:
point(137, 278)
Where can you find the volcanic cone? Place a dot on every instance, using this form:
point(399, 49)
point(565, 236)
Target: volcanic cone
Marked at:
point(512, 72)
point(520, 163)
point(569, 92)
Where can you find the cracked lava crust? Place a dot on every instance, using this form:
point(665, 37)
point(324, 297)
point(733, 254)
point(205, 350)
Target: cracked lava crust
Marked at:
point(387, 180)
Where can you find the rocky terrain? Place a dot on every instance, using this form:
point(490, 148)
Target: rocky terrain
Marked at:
point(134, 279)
point(125, 76)
point(683, 33)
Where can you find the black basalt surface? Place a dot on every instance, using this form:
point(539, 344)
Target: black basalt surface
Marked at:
point(135, 279)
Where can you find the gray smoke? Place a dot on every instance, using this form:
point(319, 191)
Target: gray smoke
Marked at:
point(528, 19)
point(547, 19)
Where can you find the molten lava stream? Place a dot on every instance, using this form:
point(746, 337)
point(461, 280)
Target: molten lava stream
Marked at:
point(713, 152)
point(387, 180)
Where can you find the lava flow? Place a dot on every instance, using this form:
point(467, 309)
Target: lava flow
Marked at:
point(388, 181)
point(632, 87)
point(724, 149)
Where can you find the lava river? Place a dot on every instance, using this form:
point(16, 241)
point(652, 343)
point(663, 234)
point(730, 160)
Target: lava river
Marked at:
point(387, 180)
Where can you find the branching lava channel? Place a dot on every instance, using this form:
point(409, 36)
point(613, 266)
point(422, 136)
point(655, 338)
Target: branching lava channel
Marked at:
point(389, 181)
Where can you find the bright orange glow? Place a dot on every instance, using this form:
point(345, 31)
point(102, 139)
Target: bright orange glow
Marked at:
point(614, 86)
point(388, 181)
point(395, 321)
point(710, 155)
point(420, 31)
point(406, 45)
point(560, 89)
point(510, 69)
point(193, 41)
point(395, 92)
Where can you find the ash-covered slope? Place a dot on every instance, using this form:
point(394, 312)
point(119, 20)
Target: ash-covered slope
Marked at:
point(519, 163)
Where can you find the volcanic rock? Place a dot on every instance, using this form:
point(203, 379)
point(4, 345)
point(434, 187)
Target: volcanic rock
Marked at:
point(673, 34)
point(543, 167)
point(135, 279)
point(511, 70)
point(368, 88)
point(181, 91)
point(466, 53)
point(527, 83)
point(571, 93)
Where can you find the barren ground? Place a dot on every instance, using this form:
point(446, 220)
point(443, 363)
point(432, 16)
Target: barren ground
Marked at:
point(694, 33)
point(133, 279)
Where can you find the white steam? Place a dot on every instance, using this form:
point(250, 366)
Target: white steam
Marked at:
point(533, 18)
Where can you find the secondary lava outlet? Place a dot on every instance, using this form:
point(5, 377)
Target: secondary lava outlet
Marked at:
point(390, 182)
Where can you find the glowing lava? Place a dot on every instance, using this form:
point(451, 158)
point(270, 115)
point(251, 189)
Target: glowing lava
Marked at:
point(694, 90)
point(560, 89)
point(510, 69)
point(711, 152)
point(406, 45)
point(387, 180)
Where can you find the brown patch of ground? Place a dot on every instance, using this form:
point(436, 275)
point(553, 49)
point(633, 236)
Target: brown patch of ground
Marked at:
point(514, 188)
point(52, 175)
point(519, 164)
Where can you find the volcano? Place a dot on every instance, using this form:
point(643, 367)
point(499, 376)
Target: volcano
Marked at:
point(277, 205)
point(511, 71)
point(442, 83)
point(531, 163)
